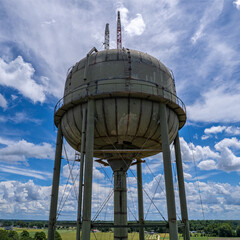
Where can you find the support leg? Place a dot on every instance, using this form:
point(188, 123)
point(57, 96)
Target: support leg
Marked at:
point(55, 185)
point(87, 199)
point(140, 200)
point(81, 175)
point(182, 194)
point(171, 208)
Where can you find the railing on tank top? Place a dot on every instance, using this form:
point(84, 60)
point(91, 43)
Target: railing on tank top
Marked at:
point(136, 83)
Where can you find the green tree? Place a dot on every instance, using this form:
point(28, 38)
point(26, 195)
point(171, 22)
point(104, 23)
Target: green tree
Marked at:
point(225, 230)
point(22, 224)
point(13, 235)
point(238, 231)
point(25, 235)
point(57, 236)
point(40, 236)
point(7, 223)
point(212, 229)
point(4, 235)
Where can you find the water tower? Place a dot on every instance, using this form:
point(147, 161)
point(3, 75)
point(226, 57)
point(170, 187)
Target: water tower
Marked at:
point(119, 106)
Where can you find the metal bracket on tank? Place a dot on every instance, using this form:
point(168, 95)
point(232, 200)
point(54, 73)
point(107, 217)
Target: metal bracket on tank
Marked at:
point(127, 68)
point(87, 62)
point(102, 162)
point(138, 161)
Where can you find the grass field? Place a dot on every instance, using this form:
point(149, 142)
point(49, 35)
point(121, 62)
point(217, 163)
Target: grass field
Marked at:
point(67, 235)
point(71, 235)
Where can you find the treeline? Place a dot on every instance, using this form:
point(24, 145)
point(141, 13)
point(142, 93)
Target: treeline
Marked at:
point(24, 223)
point(34, 224)
point(213, 228)
point(24, 235)
point(216, 228)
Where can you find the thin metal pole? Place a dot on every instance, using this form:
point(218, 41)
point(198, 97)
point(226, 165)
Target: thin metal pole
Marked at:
point(87, 198)
point(140, 200)
point(81, 175)
point(171, 208)
point(55, 185)
point(182, 194)
point(120, 205)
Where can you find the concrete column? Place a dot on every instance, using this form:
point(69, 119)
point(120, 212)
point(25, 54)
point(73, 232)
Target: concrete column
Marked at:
point(81, 175)
point(182, 194)
point(140, 200)
point(87, 198)
point(120, 205)
point(171, 208)
point(55, 185)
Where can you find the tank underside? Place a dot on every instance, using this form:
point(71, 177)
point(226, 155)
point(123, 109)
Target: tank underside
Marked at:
point(121, 123)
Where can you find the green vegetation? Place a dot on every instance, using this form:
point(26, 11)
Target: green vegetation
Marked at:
point(40, 236)
point(238, 231)
point(24, 235)
point(57, 236)
point(29, 234)
point(37, 230)
point(216, 228)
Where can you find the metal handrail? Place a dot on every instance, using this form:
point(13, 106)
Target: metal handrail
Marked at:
point(178, 101)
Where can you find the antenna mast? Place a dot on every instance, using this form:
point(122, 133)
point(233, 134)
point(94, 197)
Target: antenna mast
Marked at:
point(119, 32)
point(106, 42)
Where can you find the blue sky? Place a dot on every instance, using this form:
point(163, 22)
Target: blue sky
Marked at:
point(197, 40)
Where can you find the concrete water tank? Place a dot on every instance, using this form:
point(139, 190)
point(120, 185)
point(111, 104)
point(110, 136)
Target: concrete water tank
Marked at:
point(120, 105)
point(127, 86)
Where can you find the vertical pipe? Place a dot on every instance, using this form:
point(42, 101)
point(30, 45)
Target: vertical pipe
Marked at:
point(140, 200)
point(171, 208)
point(182, 194)
point(120, 205)
point(81, 175)
point(87, 198)
point(55, 185)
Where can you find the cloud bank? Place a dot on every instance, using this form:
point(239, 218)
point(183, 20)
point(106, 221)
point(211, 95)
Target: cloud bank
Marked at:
point(20, 151)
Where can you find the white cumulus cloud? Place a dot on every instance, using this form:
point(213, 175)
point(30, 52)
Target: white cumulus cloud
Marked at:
point(228, 160)
point(207, 165)
point(19, 75)
point(219, 104)
point(237, 4)
point(134, 26)
point(187, 176)
point(217, 198)
point(20, 151)
point(233, 130)
point(191, 152)
point(24, 199)
point(204, 137)
point(223, 157)
point(226, 156)
point(220, 200)
point(214, 129)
